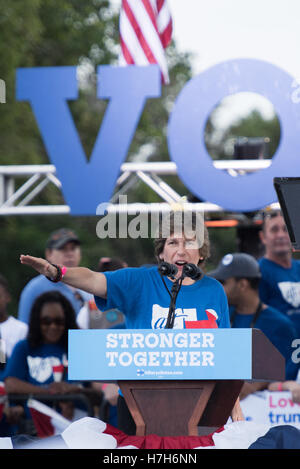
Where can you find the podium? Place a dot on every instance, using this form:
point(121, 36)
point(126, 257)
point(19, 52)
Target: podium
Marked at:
point(192, 395)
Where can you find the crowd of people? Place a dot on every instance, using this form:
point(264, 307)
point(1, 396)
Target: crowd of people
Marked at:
point(244, 293)
point(34, 345)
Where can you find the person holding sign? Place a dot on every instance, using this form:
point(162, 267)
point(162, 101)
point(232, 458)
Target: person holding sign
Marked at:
point(143, 293)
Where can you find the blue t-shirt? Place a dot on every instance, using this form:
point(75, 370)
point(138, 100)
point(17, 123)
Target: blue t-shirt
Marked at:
point(278, 328)
point(39, 285)
point(280, 287)
point(34, 365)
point(141, 295)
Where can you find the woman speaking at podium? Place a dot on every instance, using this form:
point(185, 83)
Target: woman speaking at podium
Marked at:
point(143, 294)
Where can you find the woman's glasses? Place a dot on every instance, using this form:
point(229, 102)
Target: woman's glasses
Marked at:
point(47, 321)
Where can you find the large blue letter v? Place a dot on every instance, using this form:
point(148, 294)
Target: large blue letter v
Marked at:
point(87, 184)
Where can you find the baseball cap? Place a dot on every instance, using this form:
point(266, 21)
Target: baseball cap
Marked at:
point(60, 237)
point(236, 265)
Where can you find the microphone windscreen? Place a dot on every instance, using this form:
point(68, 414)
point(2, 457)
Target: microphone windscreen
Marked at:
point(167, 269)
point(192, 271)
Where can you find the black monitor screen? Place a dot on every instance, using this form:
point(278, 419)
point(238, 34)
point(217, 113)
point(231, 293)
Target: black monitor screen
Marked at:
point(288, 193)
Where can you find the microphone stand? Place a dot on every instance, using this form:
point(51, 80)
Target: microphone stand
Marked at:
point(174, 292)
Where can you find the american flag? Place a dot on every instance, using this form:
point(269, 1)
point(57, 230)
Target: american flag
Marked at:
point(145, 31)
point(46, 420)
point(93, 433)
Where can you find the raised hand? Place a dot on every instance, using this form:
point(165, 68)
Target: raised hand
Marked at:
point(78, 277)
point(40, 265)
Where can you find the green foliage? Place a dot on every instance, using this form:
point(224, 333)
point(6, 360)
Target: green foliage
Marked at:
point(222, 241)
point(39, 33)
point(219, 141)
point(45, 33)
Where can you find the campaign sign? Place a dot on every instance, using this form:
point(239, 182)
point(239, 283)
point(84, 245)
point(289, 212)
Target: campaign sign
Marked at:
point(271, 408)
point(146, 354)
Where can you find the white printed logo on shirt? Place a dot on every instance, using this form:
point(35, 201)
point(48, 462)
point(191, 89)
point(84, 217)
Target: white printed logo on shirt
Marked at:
point(160, 315)
point(41, 368)
point(290, 292)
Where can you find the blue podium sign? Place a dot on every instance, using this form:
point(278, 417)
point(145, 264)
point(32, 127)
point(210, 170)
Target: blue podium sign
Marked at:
point(146, 354)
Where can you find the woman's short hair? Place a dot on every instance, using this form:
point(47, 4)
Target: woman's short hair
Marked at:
point(34, 335)
point(187, 223)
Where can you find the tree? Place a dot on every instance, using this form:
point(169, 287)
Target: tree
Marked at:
point(219, 141)
point(39, 33)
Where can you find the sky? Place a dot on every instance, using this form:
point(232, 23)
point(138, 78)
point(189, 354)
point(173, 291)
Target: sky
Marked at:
point(218, 30)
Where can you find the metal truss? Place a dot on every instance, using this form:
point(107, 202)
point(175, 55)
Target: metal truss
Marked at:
point(18, 201)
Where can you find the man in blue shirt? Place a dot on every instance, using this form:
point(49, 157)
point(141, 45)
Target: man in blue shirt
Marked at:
point(280, 282)
point(62, 248)
point(240, 275)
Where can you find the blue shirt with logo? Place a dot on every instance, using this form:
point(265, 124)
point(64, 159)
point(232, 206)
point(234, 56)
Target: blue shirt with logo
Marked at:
point(34, 365)
point(141, 295)
point(280, 287)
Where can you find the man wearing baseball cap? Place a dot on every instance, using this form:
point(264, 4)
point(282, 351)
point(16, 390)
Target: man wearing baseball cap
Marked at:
point(63, 248)
point(240, 275)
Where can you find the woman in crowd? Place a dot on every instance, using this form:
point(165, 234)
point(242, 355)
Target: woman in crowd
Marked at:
point(38, 364)
point(143, 295)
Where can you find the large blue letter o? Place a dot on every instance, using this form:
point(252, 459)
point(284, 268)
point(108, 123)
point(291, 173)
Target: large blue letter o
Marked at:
point(186, 133)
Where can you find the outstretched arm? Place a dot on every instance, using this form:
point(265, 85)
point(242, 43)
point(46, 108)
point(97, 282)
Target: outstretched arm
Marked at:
point(78, 277)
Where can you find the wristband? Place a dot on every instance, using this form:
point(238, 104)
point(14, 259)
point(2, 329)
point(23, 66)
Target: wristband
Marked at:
point(104, 386)
point(63, 271)
point(58, 276)
point(279, 387)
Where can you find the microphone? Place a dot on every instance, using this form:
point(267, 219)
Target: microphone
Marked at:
point(169, 270)
point(192, 271)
